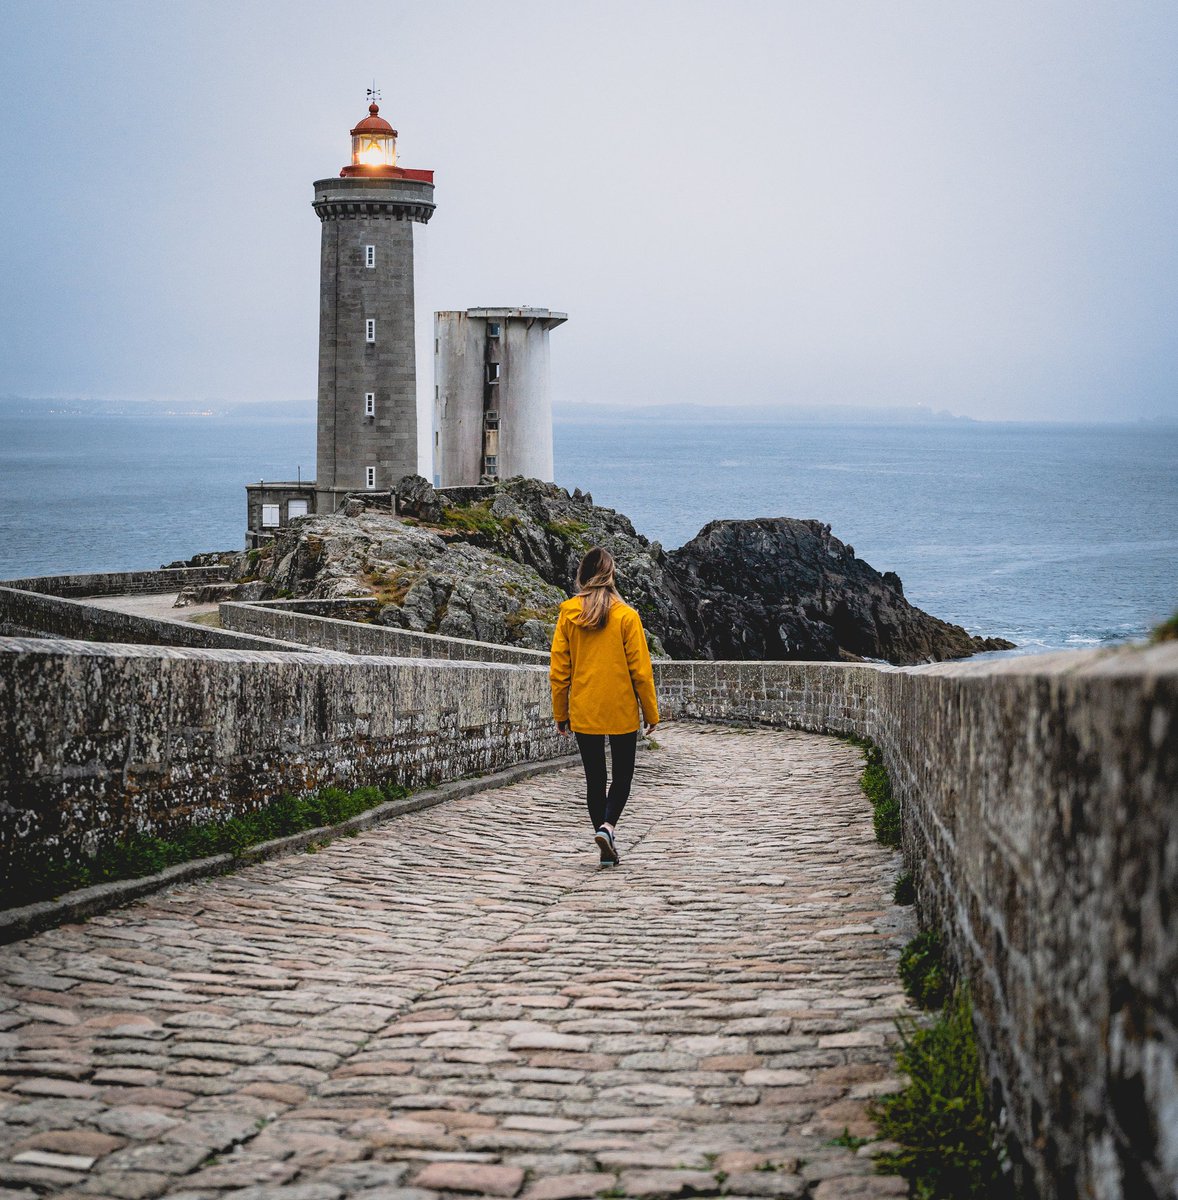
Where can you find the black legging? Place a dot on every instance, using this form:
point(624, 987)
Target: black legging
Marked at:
point(607, 806)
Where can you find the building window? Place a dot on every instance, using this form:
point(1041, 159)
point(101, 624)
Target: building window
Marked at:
point(370, 404)
point(491, 419)
point(269, 516)
point(436, 436)
point(492, 329)
point(370, 330)
point(370, 477)
point(492, 372)
point(437, 392)
point(295, 508)
point(370, 256)
point(492, 461)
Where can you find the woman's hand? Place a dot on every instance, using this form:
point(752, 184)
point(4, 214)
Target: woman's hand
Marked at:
point(562, 727)
point(651, 727)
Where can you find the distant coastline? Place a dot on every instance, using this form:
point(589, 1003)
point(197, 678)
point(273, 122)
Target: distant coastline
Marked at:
point(566, 414)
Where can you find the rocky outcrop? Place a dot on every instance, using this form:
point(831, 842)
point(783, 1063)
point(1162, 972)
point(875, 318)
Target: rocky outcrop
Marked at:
point(495, 563)
point(776, 588)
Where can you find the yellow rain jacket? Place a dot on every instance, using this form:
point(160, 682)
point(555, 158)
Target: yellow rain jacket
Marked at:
point(600, 676)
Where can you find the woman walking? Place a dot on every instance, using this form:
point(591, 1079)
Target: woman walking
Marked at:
point(600, 674)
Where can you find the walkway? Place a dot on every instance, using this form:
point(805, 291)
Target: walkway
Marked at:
point(462, 1001)
point(153, 604)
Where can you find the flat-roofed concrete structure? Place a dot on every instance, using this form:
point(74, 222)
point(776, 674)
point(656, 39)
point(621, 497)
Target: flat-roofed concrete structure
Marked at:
point(492, 404)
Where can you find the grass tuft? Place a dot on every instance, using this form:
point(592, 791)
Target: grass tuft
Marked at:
point(848, 1140)
point(923, 971)
point(877, 787)
point(940, 1118)
point(905, 890)
point(477, 518)
point(1167, 631)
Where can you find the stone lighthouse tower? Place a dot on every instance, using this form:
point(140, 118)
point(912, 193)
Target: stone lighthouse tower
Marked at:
point(367, 434)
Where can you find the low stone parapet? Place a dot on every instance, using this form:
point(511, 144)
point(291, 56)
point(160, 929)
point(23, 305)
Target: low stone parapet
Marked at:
point(292, 623)
point(120, 583)
point(31, 614)
point(102, 742)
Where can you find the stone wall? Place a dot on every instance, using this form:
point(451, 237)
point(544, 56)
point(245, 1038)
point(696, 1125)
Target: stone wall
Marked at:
point(120, 583)
point(1040, 813)
point(30, 614)
point(97, 742)
point(347, 608)
point(278, 620)
point(822, 697)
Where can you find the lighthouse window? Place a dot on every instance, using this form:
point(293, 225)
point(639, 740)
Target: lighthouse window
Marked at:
point(492, 464)
point(370, 477)
point(492, 329)
point(370, 330)
point(370, 256)
point(492, 372)
point(370, 404)
point(269, 516)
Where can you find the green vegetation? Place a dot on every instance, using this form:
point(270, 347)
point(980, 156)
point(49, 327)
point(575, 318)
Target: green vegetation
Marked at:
point(905, 890)
point(43, 873)
point(477, 518)
point(1167, 631)
point(923, 970)
point(571, 530)
point(848, 1139)
point(390, 587)
point(548, 615)
point(940, 1117)
point(877, 787)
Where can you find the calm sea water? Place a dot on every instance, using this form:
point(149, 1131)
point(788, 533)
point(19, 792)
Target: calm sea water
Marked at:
point(1051, 536)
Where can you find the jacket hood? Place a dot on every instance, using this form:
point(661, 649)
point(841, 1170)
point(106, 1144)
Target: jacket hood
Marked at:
point(576, 611)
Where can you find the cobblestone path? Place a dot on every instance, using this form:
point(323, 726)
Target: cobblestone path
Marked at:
point(463, 1002)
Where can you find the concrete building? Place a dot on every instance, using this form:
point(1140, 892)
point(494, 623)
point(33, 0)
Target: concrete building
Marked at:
point(492, 405)
point(367, 409)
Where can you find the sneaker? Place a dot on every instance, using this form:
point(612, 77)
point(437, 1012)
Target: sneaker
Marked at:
point(608, 847)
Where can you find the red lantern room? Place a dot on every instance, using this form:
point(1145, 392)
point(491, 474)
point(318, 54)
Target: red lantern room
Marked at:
point(374, 146)
point(374, 151)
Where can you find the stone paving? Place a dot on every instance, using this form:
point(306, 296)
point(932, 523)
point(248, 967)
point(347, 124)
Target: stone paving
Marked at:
point(463, 1002)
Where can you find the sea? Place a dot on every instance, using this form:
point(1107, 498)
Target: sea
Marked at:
point(1053, 536)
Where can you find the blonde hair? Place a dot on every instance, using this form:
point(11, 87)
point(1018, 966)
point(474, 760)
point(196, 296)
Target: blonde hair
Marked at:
point(596, 586)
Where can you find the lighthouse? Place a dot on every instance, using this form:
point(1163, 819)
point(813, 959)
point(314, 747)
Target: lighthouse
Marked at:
point(367, 420)
point(366, 435)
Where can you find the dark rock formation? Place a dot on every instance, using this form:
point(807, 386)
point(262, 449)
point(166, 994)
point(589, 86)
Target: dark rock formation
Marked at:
point(776, 588)
point(495, 563)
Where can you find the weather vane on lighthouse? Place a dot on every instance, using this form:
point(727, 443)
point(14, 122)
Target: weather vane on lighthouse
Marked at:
point(374, 93)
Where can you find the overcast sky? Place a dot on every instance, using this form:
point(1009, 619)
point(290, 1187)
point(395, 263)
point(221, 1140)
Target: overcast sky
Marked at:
point(968, 205)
